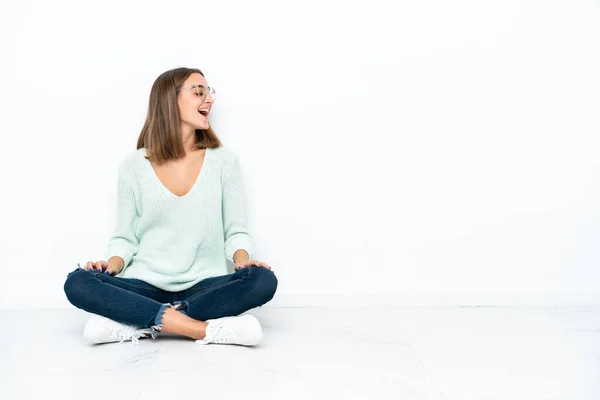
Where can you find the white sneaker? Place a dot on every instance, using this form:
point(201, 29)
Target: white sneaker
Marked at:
point(99, 329)
point(244, 330)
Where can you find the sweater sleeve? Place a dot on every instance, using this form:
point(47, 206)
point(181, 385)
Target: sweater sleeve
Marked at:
point(124, 243)
point(235, 221)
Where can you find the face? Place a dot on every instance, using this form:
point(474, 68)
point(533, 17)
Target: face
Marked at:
point(193, 109)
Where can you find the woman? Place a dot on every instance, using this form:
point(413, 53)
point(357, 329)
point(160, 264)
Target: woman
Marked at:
point(180, 214)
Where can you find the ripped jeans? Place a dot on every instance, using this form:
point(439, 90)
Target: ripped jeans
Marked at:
point(135, 302)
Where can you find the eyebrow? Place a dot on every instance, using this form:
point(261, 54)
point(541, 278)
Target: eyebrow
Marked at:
point(198, 85)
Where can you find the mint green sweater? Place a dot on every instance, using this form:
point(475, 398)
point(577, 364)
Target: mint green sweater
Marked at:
point(174, 242)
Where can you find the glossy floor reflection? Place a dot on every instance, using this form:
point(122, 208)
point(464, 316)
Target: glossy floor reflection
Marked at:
point(457, 353)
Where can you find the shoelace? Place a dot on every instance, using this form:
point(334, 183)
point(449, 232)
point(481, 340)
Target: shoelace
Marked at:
point(130, 332)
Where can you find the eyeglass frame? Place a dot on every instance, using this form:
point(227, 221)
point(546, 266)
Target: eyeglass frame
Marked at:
point(208, 89)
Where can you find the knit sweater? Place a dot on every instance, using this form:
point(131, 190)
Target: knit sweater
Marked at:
point(174, 242)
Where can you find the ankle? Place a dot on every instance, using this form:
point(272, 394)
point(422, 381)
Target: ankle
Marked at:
point(180, 324)
point(200, 330)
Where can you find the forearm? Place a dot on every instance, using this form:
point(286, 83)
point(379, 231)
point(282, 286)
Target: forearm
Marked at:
point(240, 256)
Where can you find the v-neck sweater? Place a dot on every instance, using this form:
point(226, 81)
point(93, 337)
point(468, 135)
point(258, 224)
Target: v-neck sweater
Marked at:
point(173, 242)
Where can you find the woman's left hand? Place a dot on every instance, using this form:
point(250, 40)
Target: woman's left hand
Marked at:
point(245, 264)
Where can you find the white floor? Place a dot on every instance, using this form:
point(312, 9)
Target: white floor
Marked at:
point(458, 353)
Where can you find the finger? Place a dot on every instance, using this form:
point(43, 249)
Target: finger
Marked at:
point(98, 266)
point(268, 267)
point(88, 266)
point(260, 264)
point(103, 266)
point(112, 270)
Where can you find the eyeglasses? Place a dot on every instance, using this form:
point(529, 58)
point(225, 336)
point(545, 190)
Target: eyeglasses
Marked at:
point(201, 91)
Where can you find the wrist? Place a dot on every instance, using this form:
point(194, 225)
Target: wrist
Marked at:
point(117, 262)
point(240, 256)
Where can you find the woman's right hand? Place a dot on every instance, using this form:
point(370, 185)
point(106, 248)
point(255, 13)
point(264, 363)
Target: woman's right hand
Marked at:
point(102, 266)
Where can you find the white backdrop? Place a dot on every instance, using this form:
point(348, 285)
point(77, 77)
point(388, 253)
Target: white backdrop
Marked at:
point(410, 148)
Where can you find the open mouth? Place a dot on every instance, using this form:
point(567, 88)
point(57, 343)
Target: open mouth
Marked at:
point(204, 112)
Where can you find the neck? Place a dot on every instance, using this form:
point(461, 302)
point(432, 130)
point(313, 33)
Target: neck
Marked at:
point(188, 138)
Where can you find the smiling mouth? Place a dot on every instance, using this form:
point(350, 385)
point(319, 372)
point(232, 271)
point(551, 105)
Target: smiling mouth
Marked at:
point(204, 112)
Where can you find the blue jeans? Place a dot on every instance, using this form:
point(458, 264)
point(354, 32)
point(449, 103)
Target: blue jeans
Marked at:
point(135, 302)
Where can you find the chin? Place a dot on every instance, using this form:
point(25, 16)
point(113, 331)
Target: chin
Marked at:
point(201, 126)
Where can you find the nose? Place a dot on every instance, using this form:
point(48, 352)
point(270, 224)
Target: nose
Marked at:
point(209, 99)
